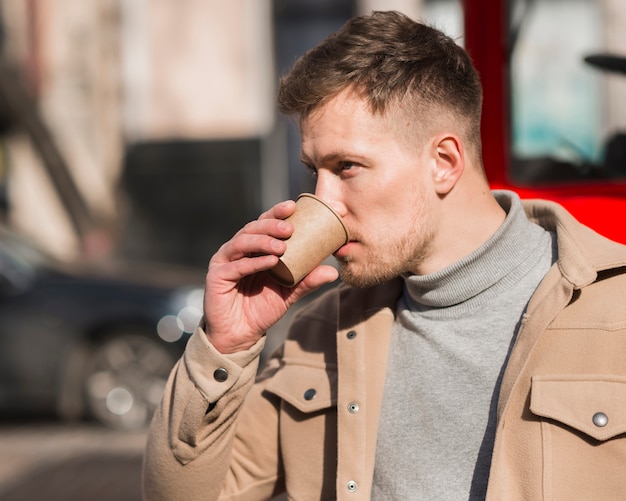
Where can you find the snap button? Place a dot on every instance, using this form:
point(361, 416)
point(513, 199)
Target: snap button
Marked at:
point(310, 394)
point(600, 419)
point(353, 407)
point(351, 334)
point(352, 486)
point(220, 375)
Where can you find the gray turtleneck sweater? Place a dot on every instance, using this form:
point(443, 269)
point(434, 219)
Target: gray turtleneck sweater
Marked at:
point(449, 345)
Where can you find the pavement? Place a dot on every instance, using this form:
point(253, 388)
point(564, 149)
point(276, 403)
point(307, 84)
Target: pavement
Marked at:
point(55, 461)
point(64, 462)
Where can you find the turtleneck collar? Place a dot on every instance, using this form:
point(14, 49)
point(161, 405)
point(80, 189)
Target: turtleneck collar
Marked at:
point(469, 283)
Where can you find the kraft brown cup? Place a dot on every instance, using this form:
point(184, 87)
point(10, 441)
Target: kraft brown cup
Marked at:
point(318, 232)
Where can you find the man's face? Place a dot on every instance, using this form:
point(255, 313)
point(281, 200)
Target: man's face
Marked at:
point(374, 171)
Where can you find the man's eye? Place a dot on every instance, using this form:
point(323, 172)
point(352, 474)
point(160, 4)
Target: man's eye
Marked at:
point(348, 168)
point(346, 165)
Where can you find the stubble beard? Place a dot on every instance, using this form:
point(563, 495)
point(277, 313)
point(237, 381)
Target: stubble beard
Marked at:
point(404, 256)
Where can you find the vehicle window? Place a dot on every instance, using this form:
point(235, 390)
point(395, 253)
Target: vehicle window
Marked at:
point(568, 89)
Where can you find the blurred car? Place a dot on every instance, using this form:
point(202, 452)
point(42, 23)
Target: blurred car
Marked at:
point(89, 341)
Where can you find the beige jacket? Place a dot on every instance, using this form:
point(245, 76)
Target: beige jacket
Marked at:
point(309, 424)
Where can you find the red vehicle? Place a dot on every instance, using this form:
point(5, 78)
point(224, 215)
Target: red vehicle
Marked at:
point(554, 126)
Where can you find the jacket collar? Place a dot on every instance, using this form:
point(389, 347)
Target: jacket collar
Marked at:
point(582, 252)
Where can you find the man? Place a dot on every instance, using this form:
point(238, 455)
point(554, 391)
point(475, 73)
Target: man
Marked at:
point(475, 348)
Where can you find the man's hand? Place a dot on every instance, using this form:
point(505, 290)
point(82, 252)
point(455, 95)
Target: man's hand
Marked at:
point(240, 301)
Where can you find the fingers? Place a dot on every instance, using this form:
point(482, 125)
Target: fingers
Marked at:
point(321, 275)
point(262, 236)
point(257, 246)
point(281, 210)
point(259, 238)
point(266, 234)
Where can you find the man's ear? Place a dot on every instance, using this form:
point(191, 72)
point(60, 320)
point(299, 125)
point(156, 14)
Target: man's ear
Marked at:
point(449, 162)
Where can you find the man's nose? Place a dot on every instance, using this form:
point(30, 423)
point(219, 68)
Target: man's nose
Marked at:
point(328, 188)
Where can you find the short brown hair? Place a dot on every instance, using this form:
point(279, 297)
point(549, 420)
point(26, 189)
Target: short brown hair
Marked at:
point(389, 59)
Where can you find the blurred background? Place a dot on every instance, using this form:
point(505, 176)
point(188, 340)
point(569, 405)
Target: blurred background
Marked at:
point(136, 136)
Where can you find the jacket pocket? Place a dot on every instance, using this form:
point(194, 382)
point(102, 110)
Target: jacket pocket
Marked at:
point(307, 429)
point(308, 388)
point(583, 430)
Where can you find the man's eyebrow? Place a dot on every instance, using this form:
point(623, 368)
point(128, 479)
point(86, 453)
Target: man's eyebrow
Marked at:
point(329, 157)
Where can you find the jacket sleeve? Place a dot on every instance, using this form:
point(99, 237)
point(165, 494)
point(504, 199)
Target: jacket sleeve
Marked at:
point(193, 449)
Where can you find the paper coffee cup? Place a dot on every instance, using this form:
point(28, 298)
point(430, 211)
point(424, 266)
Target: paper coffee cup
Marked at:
point(318, 232)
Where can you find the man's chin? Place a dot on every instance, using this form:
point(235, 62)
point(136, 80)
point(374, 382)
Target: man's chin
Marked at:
point(358, 278)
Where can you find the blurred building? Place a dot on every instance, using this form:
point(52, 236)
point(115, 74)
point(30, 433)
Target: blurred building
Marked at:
point(150, 126)
point(153, 130)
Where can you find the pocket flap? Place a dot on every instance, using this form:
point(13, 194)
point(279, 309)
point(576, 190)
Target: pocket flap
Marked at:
point(307, 388)
point(592, 404)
